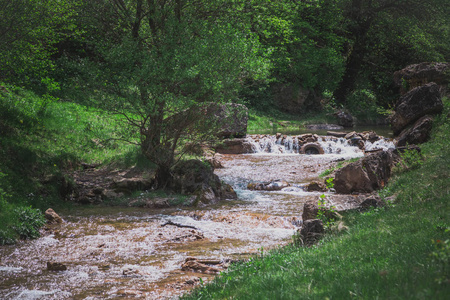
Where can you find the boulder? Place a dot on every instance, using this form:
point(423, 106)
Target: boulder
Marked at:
point(234, 146)
point(310, 210)
point(316, 187)
point(345, 119)
point(415, 104)
point(194, 177)
point(52, 217)
point(312, 231)
point(372, 201)
point(419, 74)
point(232, 118)
point(419, 133)
point(366, 175)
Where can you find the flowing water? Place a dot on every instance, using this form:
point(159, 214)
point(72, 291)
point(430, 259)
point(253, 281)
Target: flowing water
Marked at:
point(120, 253)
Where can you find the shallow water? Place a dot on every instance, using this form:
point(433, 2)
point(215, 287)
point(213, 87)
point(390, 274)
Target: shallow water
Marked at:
point(117, 253)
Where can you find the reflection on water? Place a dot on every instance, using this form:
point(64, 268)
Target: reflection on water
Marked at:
point(112, 253)
point(385, 131)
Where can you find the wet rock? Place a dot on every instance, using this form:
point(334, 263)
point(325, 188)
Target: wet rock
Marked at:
point(336, 134)
point(234, 146)
point(193, 265)
point(421, 101)
point(129, 272)
point(372, 201)
point(324, 127)
point(52, 217)
point(419, 74)
point(419, 133)
point(215, 163)
point(316, 187)
point(366, 175)
point(55, 266)
point(197, 178)
point(312, 231)
point(370, 136)
point(268, 186)
point(310, 210)
point(228, 192)
point(351, 135)
point(311, 149)
point(345, 119)
point(128, 293)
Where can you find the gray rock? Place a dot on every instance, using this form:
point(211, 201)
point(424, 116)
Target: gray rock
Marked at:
point(366, 175)
point(345, 119)
point(234, 146)
point(310, 210)
point(419, 133)
point(419, 74)
point(421, 101)
point(52, 217)
point(312, 231)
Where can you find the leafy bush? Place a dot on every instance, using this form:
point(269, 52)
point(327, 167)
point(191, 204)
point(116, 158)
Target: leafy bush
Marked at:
point(29, 222)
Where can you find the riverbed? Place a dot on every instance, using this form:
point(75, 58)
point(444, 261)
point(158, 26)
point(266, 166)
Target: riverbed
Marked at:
point(127, 252)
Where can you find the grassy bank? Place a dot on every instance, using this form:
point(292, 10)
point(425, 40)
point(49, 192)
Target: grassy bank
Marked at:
point(401, 252)
point(41, 140)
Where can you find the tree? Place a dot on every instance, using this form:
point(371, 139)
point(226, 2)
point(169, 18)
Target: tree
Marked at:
point(29, 30)
point(368, 21)
point(159, 63)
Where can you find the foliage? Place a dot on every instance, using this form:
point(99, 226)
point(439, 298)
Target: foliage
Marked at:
point(157, 71)
point(17, 221)
point(410, 159)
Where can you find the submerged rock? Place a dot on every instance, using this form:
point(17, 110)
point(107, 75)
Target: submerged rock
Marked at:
point(268, 186)
point(192, 264)
point(55, 266)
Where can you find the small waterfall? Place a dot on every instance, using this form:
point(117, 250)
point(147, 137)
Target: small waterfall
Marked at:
point(330, 145)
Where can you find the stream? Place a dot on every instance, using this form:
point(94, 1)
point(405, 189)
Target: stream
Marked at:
point(120, 253)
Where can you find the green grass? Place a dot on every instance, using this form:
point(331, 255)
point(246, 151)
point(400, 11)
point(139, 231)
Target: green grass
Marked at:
point(277, 121)
point(401, 252)
point(40, 141)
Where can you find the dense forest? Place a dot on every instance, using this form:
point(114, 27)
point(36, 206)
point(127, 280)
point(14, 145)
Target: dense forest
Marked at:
point(139, 64)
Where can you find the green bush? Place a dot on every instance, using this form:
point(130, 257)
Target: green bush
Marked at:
point(29, 221)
